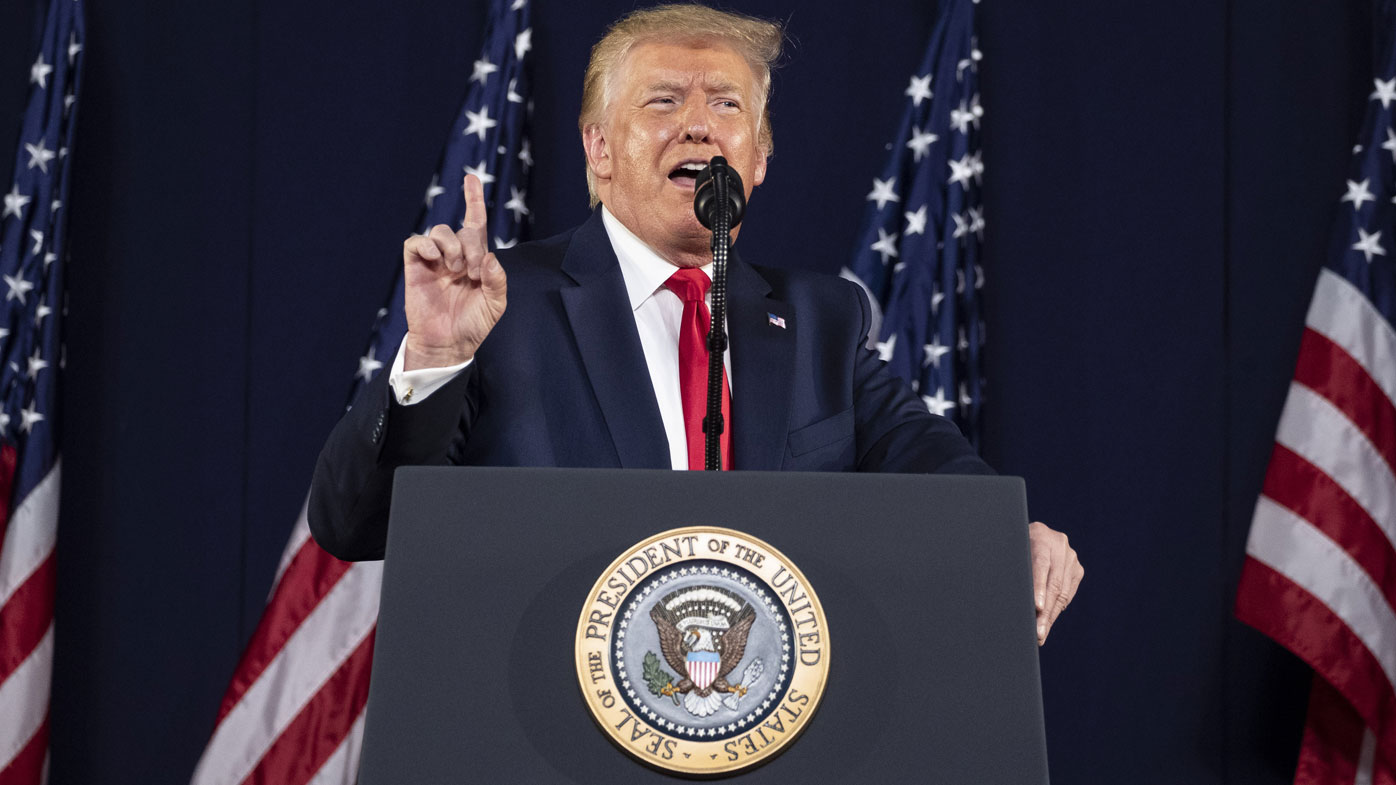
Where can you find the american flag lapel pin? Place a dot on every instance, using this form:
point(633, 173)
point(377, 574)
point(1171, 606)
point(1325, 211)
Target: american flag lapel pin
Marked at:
point(778, 321)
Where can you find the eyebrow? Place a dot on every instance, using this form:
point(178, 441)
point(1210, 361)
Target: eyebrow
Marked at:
point(677, 86)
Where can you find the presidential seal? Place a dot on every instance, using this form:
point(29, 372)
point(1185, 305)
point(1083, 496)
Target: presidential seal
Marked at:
point(702, 651)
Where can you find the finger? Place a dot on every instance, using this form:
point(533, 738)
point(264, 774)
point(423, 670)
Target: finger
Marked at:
point(473, 235)
point(1071, 572)
point(1056, 581)
point(421, 247)
point(449, 245)
point(1041, 566)
point(1075, 572)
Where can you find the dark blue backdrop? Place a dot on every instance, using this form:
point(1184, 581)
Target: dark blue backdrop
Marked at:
point(1160, 179)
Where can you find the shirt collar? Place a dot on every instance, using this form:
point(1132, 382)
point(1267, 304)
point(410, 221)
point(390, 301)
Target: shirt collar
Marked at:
point(644, 270)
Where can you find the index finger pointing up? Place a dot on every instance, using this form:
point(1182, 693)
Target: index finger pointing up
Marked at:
point(474, 233)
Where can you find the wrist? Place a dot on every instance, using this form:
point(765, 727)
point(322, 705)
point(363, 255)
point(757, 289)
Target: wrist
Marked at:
point(416, 356)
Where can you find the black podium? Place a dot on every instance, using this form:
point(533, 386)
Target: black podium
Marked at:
point(925, 583)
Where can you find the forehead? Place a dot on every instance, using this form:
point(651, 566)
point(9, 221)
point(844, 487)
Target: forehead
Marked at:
point(663, 63)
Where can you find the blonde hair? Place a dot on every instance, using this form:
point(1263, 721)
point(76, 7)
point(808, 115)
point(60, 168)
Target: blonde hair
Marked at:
point(758, 41)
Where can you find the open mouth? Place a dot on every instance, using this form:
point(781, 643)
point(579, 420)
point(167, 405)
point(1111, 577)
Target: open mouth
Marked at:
point(686, 174)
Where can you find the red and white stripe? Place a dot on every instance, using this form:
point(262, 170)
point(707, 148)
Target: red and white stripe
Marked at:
point(294, 711)
point(1320, 570)
point(26, 628)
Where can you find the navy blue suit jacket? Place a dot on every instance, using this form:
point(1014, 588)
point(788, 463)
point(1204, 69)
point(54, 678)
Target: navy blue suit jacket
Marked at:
point(562, 381)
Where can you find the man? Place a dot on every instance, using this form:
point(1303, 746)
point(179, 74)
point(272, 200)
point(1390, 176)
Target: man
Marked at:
point(573, 358)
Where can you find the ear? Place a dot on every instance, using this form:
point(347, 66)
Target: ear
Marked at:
point(759, 175)
point(598, 153)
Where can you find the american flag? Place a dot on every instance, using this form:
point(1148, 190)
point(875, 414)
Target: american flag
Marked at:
point(1320, 569)
point(32, 247)
point(918, 254)
point(294, 711)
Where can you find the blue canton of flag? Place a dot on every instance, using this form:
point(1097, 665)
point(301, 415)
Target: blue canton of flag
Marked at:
point(32, 247)
point(918, 254)
point(489, 140)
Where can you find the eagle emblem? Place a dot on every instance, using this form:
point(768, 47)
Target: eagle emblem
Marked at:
point(702, 634)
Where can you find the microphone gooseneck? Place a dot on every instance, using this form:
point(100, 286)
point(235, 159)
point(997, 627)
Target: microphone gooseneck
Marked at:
point(718, 201)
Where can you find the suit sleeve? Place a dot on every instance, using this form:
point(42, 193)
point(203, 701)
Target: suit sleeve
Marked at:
point(351, 490)
point(893, 429)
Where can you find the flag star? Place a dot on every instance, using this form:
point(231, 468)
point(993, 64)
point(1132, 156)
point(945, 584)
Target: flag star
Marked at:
point(916, 222)
point(976, 165)
point(919, 89)
point(54, 205)
point(976, 221)
point(368, 364)
point(513, 96)
point(883, 192)
point(38, 238)
point(921, 142)
point(1368, 244)
point(4, 333)
point(14, 203)
point(518, 4)
point(19, 287)
point(434, 190)
point(979, 283)
point(886, 244)
point(4, 421)
point(39, 156)
point(936, 299)
point(516, 203)
point(36, 364)
point(500, 243)
point(39, 72)
point(479, 123)
point(1359, 193)
point(938, 404)
point(523, 42)
point(526, 154)
point(483, 69)
point(49, 258)
point(934, 351)
point(29, 416)
point(966, 399)
point(961, 225)
point(887, 347)
point(68, 101)
point(73, 47)
point(1385, 92)
point(481, 172)
point(961, 171)
point(1390, 144)
point(39, 314)
point(961, 117)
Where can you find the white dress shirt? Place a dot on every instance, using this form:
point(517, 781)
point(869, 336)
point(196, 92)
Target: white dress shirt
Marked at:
point(658, 313)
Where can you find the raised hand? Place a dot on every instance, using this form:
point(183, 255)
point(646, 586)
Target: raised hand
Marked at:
point(454, 288)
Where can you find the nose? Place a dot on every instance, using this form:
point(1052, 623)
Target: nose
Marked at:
point(696, 122)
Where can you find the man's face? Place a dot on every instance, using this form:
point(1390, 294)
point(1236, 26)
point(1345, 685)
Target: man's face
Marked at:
point(674, 107)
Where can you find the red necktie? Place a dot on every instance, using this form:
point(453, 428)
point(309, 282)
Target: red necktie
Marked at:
point(691, 284)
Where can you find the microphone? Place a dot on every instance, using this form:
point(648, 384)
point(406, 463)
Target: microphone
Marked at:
point(719, 203)
point(705, 201)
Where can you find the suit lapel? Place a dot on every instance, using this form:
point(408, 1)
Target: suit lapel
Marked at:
point(598, 312)
point(763, 362)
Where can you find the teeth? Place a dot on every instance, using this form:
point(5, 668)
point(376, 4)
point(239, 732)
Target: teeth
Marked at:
point(692, 167)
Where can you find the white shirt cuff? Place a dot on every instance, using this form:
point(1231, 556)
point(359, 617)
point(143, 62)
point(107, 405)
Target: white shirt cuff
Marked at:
point(411, 387)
